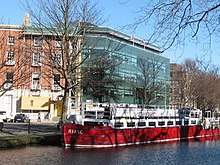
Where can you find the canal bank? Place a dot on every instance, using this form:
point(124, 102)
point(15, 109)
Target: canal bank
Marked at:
point(34, 133)
point(9, 141)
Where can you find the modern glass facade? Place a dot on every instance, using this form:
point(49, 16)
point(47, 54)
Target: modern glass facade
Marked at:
point(129, 52)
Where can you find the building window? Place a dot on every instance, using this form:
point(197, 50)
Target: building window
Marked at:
point(56, 82)
point(8, 80)
point(9, 77)
point(11, 40)
point(58, 43)
point(36, 59)
point(10, 58)
point(38, 41)
point(57, 59)
point(36, 81)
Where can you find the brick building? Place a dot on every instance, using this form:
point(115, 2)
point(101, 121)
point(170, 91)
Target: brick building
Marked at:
point(30, 83)
point(180, 87)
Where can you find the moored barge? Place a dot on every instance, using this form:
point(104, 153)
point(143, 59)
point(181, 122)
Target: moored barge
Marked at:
point(121, 125)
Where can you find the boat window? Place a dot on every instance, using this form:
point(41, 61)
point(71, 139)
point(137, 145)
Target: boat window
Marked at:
point(193, 121)
point(170, 123)
point(130, 124)
point(118, 124)
point(186, 122)
point(160, 123)
point(141, 124)
point(178, 122)
point(152, 124)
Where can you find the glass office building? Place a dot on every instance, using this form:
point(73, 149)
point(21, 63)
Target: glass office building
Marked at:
point(130, 53)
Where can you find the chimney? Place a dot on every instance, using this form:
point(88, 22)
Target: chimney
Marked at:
point(26, 20)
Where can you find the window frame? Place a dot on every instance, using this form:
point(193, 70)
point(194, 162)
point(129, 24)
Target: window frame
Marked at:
point(36, 59)
point(9, 77)
point(58, 43)
point(57, 59)
point(56, 85)
point(35, 83)
point(10, 58)
point(38, 41)
point(11, 40)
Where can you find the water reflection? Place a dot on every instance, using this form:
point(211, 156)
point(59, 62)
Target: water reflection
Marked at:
point(207, 152)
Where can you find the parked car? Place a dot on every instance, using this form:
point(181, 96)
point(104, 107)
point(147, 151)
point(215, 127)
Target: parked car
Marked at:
point(20, 118)
point(1, 124)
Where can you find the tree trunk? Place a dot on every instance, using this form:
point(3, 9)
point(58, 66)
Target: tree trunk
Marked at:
point(65, 105)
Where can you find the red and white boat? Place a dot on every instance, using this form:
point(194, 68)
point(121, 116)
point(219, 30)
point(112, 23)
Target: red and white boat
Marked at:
point(121, 125)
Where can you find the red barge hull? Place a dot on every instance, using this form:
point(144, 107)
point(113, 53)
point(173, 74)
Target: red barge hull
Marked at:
point(105, 136)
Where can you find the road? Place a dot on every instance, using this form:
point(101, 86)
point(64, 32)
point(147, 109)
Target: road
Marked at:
point(21, 128)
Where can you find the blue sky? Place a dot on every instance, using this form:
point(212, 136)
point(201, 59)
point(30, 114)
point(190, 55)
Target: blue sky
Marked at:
point(118, 14)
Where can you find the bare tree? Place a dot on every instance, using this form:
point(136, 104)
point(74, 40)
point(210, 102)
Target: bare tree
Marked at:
point(210, 83)
point(149, 87)
point(68, 22)
point(197, 84)
point(173, 21)
point(189, 83)
point(187, 80)
point(101, 81)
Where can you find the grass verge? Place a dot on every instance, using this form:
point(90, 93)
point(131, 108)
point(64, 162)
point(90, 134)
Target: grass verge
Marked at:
point(9, 141)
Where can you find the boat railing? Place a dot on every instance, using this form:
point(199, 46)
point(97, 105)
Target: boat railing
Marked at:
point(211, 123)
point(96, 113)
point(107, 112)
point(139, 113)
point(154, 122)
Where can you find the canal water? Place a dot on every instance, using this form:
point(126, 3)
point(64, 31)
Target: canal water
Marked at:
point(175, 153)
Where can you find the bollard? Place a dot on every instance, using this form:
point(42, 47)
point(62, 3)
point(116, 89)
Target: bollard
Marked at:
point(29, 126)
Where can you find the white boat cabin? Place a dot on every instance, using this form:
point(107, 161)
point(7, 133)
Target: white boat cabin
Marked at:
point(122, 116)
